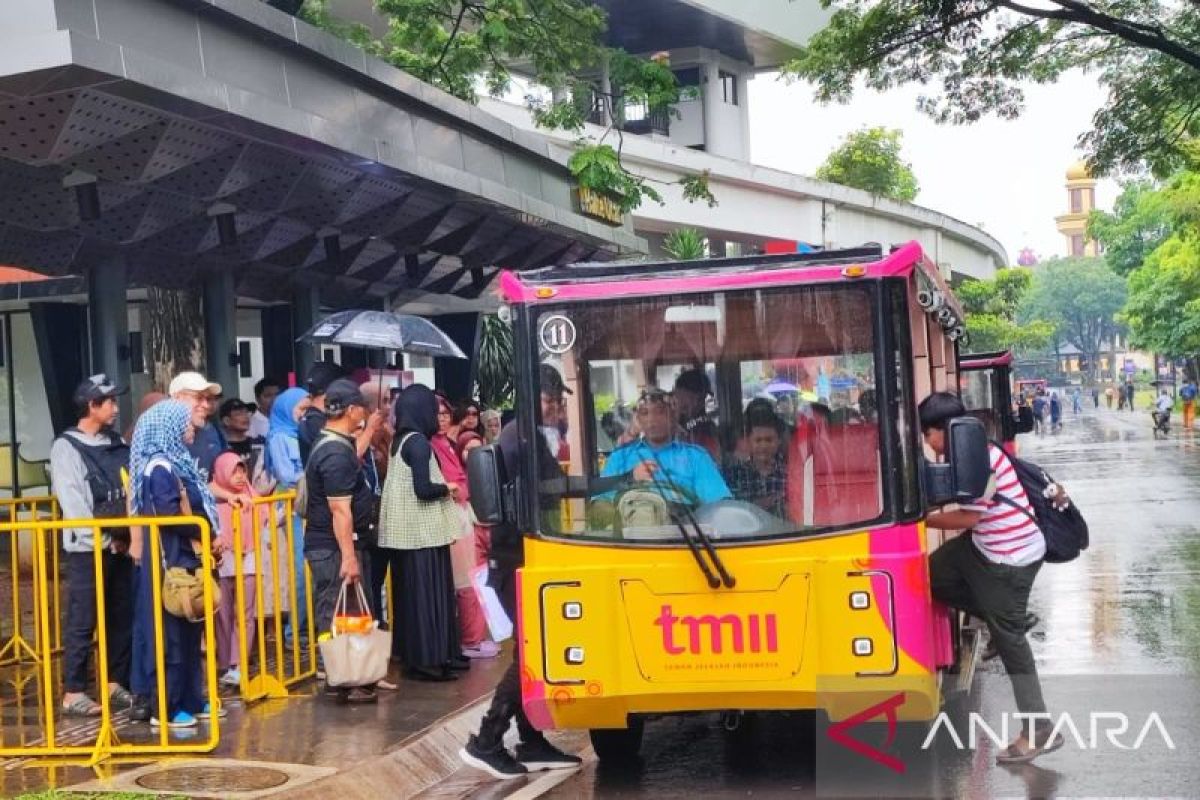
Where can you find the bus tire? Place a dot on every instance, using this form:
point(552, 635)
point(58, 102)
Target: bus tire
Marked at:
point(618, 744)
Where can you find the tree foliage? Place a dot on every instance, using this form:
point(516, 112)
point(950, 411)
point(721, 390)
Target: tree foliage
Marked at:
point(992, 307)
point(1080, 298)
point(1138, 224)
point(979, 52)
point(870, 159)
point(458, 45)
point(1163, 312)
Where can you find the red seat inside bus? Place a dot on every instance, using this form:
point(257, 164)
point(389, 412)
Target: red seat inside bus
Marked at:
point(833, 473)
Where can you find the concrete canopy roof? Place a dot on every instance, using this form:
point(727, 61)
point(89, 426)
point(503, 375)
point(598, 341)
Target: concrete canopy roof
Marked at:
point(181, 109)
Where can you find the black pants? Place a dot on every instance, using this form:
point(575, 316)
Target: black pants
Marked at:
point(325, 566)
point(383, 561)
point(80, 624)
point(506, 703)
point(961, 577)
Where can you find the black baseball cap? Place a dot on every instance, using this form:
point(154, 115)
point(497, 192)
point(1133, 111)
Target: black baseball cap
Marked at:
point(342, 394)
point(551, 382)
point(231, 405)
point(321, 376)
point(97, 387)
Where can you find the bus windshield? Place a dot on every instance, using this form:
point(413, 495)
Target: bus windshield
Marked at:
point(747, 414)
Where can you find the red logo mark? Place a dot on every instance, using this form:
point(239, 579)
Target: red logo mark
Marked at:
point(886, 708)
point(744, 635)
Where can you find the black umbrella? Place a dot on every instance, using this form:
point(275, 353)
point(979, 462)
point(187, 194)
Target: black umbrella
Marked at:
point(383, 330)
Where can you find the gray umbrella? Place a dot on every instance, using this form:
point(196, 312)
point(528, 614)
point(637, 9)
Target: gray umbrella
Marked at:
point(383, 330)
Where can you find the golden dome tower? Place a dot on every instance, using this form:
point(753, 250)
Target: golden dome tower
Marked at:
point(1081, 200)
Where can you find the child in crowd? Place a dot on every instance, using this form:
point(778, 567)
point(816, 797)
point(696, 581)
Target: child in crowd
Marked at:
point(229, 473)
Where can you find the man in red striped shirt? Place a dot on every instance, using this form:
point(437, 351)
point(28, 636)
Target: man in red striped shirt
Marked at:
point(988, 572)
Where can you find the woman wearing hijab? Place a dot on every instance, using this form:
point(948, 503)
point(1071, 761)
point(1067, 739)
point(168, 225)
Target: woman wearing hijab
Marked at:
point(453, 424)
point(229, 473)
point(165, 482)
point(285, 466)
point(419, 521)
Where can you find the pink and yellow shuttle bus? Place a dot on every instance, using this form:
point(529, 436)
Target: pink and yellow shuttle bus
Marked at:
point(777, 565)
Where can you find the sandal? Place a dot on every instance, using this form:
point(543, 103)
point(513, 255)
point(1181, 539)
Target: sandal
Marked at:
point(82, 706)
point(1013, 755)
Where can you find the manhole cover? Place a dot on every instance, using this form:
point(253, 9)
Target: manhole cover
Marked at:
point(213, 779)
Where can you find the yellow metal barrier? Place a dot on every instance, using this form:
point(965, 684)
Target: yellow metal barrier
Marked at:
point(296, 665)
point(49, 744)
point(23, 642)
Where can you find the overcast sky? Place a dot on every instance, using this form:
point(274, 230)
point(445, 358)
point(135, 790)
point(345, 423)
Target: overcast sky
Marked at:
point(1007, 177)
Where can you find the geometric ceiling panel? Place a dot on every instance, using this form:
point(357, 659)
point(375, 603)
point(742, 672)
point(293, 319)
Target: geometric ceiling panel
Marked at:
point(204, 177)
point(122, 159)
point(283, 233)
point(183, 144)
point(97, 118)
point(29, 127)
point(262, 178)
point(51, 253)
point(166, 210)
point(369, 195)
point(120, 222)
point(35, 198)
point(321, 193)
point(475, 288)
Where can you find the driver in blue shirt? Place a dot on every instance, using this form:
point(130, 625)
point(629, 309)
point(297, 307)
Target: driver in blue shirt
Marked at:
point(683, 473)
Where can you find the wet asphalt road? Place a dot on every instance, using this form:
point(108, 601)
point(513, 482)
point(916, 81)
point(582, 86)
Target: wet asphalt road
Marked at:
point(1119, 634)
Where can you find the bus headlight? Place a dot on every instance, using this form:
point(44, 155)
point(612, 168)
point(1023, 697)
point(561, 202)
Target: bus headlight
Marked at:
point(860, 601)
point(572, 610)
point(574, 655)
point(863, 647)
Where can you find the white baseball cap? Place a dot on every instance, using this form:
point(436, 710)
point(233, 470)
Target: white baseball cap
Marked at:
point(192, 382)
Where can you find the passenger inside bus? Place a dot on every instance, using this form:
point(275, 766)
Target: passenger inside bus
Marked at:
point(685, 474)
point(691, 394)
point(762, 478)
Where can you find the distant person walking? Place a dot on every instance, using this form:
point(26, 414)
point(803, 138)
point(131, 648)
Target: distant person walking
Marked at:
point(1039, 412)
point(1096, 396)
point(1055, 413)
point(1077, 401)
point(1188, 395)
point(1129, 392)
point(1108, 397)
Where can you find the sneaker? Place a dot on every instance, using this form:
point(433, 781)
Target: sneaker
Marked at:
point(140, 710)
point(540, 755)
point(496, 762)
point(232, 677)
point(182, 719)
point(206, 712)
point(120, 698)
point(485, 649)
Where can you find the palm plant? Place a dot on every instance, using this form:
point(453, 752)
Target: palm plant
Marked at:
point(685, 244)
point(495, 371)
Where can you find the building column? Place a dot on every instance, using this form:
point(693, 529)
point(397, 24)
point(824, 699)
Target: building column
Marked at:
point(108, 324)
point(306, 308)
point(220, 330)
point(609, 106)
point(710, 93)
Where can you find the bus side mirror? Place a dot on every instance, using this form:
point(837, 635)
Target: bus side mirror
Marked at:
point(1024, 419)
point(485, 480)
point(968, 468)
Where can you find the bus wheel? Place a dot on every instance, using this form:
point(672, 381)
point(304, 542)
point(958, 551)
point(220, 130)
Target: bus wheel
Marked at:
point(618, 744)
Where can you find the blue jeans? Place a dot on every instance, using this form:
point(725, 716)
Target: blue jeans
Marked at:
point(301, 620)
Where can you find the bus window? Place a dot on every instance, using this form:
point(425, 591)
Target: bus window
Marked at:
point(752, 414)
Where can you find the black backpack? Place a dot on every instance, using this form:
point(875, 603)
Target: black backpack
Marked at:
point(1066, 531)
point(104, 464)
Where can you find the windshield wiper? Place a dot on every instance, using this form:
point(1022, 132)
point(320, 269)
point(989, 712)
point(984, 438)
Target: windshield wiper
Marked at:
point(726, 578)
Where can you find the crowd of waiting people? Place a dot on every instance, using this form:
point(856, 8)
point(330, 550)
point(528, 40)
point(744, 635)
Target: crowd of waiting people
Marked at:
point(386, 492)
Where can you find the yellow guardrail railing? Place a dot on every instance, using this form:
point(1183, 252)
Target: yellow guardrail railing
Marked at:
point(46, 743)
point(292, 663)
point(23, 643)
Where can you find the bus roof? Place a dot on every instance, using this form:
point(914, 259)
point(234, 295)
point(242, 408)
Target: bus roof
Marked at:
point(999, 358)
point(602, 280)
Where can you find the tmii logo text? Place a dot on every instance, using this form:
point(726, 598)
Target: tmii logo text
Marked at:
point(751, 633)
